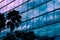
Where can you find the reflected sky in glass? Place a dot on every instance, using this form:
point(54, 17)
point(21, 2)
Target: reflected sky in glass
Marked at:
point(54, 4)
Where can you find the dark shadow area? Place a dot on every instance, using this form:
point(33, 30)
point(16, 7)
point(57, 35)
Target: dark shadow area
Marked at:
point(26, 36)
point(2, 21)
point(9, 37)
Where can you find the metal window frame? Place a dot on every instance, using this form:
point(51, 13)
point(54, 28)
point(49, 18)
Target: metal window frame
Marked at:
point(7, 4)
point(28, 9)
point(1, 1)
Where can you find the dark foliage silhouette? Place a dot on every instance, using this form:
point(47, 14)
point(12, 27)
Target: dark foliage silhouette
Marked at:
point(26, 35)
point(45, 38)
point(51, 38)
point(30, 36)
point(2, 21)
point(22, 35)
point(19, 34)
point(15, 19)
point(11, 25)
point(14, 16)
point(9, 37)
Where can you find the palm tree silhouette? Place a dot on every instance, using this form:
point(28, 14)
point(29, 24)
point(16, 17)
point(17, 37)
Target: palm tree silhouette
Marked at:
point(15, 19)
point(11, 25)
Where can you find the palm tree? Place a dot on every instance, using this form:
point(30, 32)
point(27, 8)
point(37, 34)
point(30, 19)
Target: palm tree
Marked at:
point(15, 19)
point(11, 25)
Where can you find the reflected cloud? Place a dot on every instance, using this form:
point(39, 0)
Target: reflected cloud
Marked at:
point(50, 7)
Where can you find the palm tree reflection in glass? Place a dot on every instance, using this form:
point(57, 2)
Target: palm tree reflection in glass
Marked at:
point(2, 21)
point(15, 19)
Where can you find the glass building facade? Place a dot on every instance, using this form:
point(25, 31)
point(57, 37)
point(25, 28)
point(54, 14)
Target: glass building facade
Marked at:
point(40, 16)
